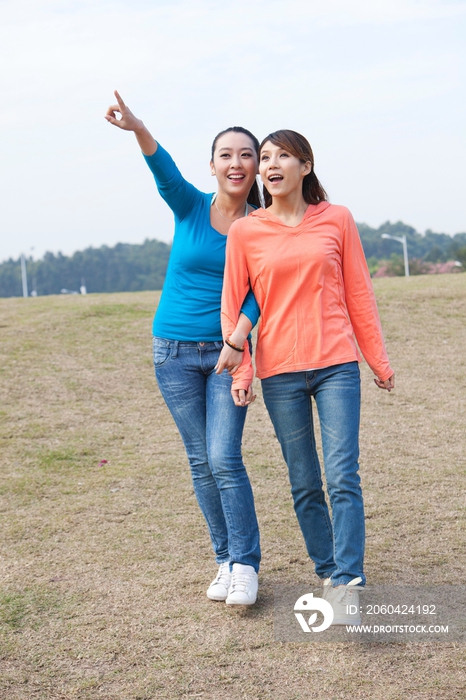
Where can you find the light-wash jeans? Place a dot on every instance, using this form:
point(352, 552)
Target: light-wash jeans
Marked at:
point(336, 546)
point(211, 427)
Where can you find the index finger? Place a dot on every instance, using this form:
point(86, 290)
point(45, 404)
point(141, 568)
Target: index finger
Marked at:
point(119, 98)
point(111, 111)
point(241, 397)
point(219, 367)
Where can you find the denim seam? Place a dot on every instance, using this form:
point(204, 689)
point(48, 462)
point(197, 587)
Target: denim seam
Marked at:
point(318, 473)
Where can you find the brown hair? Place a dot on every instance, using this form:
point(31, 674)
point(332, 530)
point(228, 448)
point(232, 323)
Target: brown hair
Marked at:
point(298, 146)
point(254, 194)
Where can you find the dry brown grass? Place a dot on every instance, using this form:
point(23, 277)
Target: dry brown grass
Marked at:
point(91, 555)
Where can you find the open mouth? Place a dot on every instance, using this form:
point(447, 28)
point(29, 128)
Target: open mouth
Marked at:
point(275, 178)
point(236, 178)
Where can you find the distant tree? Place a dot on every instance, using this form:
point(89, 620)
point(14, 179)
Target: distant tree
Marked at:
point(436, 254)
point(417, 266)
point(396, 265)
point(460, 255)
point(10, 278)
point(125, 267)
point(419, 245)
point(373, 264)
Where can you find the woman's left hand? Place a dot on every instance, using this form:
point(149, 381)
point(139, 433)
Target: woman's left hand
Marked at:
point(229, 359)
point(388, 384)
point(241, 397)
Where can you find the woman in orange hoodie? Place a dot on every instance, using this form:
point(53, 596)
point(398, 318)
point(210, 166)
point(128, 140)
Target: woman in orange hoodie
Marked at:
point(304, 260)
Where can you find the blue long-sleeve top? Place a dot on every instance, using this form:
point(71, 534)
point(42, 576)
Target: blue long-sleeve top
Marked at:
point(189, 307)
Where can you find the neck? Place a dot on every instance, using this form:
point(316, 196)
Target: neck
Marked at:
point(289, 209)
point(230, 207)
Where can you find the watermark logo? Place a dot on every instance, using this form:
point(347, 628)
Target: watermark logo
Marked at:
point(389, 613)
point(308, 603)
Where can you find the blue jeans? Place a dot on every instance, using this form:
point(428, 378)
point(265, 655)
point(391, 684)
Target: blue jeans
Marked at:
point(211, 427)
point(337, 548)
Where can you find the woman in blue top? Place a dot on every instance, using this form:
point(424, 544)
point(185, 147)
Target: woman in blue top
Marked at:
point(188, 340)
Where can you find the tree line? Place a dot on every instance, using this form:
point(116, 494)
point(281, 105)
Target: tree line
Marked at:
point(429, 247)
point(133, 268)
point(122, 268)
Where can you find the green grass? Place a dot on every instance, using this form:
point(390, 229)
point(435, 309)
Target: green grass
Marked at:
point(30, 607)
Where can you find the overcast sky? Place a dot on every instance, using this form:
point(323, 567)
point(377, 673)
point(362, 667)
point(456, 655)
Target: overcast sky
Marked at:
point(378, 88)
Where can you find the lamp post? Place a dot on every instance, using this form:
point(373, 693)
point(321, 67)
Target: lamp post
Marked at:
point(24, 276)
point(405, 249)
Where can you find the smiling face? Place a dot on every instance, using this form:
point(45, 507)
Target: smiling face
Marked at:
point(281, 172)
point(234, 163)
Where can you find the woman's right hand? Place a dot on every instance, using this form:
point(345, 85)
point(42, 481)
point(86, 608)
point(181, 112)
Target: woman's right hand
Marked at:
point(127, 121)
point(388, 384)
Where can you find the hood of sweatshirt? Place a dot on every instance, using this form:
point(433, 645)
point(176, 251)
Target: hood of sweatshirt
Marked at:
point(311, 211)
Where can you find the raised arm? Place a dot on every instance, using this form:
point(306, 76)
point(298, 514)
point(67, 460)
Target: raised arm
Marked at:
point(128, 122)
point(179, 194)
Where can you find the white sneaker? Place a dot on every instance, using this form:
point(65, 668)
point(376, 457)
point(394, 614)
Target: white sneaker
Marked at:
point(218, 589)
point(344, 601)
point(244, 585)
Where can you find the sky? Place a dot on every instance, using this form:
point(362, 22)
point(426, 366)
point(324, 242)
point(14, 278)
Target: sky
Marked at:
point(378, 88)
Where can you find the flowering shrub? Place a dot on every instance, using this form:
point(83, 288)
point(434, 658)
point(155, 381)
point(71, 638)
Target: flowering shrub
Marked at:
point(445, 267)
point(395, 267)
point(391, 268)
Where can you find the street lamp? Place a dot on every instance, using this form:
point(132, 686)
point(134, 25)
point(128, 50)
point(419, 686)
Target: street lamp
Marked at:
point(405, 249)
point(24, 276)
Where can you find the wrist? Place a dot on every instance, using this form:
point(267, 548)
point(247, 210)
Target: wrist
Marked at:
point(146, 141)
point(237, 338)
point(140, 129)
point(233, 346)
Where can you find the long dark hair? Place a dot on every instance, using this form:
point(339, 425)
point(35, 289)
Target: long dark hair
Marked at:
point(254, 194)
point(298, 146)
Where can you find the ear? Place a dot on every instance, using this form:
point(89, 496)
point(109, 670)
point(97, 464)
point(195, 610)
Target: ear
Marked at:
point(307, 168)
point(212, 169)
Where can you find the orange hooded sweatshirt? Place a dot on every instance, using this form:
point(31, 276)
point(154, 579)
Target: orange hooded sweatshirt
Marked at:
point(313, 289)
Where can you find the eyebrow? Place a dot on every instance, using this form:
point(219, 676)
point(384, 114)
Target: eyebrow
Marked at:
point(279, 148)
point(230, 148)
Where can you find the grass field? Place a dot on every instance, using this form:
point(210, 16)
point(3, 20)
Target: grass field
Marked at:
point(104, 565)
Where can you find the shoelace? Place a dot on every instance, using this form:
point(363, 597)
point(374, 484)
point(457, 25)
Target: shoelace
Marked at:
point(346, 591)
point(241, 581)
point(223, 575)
